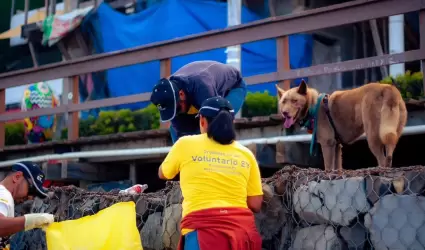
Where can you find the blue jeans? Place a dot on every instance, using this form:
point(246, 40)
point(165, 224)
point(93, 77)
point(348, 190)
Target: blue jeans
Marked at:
point(191, 241)
point(236, 97)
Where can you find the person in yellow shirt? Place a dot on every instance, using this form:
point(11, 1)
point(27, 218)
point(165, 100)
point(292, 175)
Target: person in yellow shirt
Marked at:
point(220, 182)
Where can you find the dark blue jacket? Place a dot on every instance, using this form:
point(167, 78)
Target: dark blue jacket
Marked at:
point(201, 80)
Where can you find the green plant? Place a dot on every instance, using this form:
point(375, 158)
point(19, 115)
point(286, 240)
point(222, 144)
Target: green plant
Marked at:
point(409, 84)
point(15, 133)
point(147, 118)
point(259, 104)
point(121, 121)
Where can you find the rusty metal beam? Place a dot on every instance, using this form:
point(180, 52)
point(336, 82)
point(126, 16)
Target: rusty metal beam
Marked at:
point(283, 61)
point(76, 107)
point(323, 69)
point(73, 121)
point(248, 34)
point(335, 15)
point(332, 68)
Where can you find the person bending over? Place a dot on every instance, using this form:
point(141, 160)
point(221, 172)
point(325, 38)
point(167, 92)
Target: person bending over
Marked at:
point(25, 179)
point(180, 97)
point(220, 182)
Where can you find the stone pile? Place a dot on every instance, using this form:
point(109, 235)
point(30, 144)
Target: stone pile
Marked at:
point(379, 209)
point(303, 209)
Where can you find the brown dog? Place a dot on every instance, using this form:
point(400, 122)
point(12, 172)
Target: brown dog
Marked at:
point(377, 110)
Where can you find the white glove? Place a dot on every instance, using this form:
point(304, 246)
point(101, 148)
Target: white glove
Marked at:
point(37, 220)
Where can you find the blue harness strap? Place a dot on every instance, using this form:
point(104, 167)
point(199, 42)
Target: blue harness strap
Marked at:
point(311, 122)
point(314, 113)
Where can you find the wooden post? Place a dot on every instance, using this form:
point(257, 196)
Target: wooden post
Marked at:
point(385, 35)
point(283, 59)
point(283, 64)
point(364, 40)
point(26, 9)
point(355, 47)
point(378, 45)
point(165, 71)
point(46, 6)
point(72, 96)
point(133, 174)
point(64, 169)
point(33, 53)
point(53, 7)
point(422, 40)
point(2, 124)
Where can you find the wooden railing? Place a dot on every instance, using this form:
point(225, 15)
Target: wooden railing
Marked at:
point(276, 27)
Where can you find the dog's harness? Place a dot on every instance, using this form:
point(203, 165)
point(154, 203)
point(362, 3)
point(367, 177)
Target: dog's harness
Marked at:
point(311, 122)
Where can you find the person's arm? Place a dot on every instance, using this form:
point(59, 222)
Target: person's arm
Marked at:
point(255, 188)
point(10, 226)
point(170, 167)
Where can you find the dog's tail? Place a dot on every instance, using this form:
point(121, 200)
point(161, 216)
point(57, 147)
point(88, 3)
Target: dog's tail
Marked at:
point(390, 119)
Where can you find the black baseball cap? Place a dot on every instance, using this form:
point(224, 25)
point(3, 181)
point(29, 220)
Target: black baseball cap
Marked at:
point(165, 96)
point(213, 105)
point(34, 175)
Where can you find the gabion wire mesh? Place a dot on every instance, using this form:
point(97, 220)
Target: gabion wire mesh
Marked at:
point(303, 209)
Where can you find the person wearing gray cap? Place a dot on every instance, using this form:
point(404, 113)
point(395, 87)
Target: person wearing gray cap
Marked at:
point(24, 180)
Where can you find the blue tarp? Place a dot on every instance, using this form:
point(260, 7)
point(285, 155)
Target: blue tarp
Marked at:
point(178, 18)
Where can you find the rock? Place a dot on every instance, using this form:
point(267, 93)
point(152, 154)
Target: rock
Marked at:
point(354, 236)
point(63, 208)
point(397, 222)
point(272, 215)
point(142, 206)
point(87, 207)
point(38, 206)
point(336, 201)
point(285, 240)
point(175, 195)
point(53, 206)
point(321, 237)
point(415, 183)
point(24, 208)
point(151, 233)
point(376, 187)
point(171, 225)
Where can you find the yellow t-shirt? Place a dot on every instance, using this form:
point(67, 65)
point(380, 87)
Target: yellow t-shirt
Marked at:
point(212, 175)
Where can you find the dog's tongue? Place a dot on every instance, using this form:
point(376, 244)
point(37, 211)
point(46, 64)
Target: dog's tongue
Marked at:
point(289, 121)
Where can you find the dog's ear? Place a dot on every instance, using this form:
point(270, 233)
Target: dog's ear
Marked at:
point(302, 89)
point(280, 91)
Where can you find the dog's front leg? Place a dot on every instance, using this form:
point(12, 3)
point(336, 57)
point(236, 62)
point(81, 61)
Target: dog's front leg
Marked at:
point(329, 157)
point(338, 157)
